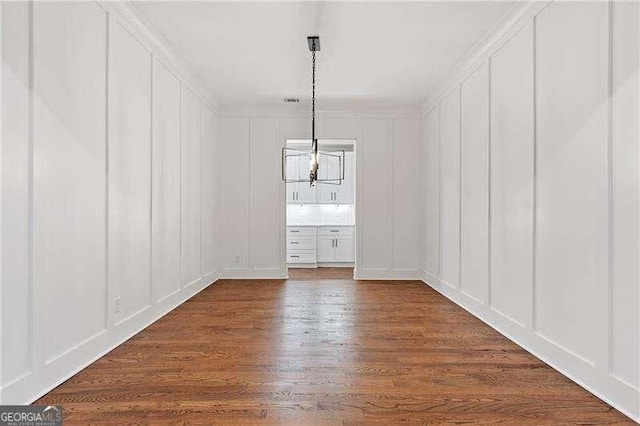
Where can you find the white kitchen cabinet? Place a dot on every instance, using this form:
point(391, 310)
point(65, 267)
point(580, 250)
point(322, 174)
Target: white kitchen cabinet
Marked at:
point(341, 193)
point(336, 244)
point(345, 249)
point(326, 249)
point(322, 244)
point(301, 245)
point(299, 192)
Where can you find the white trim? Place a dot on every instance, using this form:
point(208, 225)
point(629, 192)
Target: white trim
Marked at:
point(282, 111)
point(129, 17)
point(336, 264)
point(61, 369)
point(607, 387)
point(506, 27)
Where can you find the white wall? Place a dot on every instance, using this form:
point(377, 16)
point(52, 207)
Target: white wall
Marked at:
point(252, 208)
point(547, 196)
point(91, 188)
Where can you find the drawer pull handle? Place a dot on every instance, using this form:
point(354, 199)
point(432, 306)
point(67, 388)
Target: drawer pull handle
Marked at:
point(294, 230)
point(335, 230)
point(294, 242)
point(294, 256)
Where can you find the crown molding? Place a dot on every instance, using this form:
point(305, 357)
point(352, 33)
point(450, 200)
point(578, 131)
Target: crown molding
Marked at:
point(127, 15)
point(509, 24)
point(334, 109)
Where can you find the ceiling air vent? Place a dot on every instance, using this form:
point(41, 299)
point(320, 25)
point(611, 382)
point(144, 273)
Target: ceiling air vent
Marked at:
point(291, 100)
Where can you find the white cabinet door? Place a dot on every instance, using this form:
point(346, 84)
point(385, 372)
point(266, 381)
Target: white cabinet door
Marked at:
point(291, 173)
point(344, 248)
point(291, 192)
point(306, 194)
point(325, 191)
point(330, 193)
point(326, 249)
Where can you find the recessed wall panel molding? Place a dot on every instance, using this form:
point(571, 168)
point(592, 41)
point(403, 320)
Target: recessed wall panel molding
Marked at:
point(191, 187)
point(252, 228)
point(77, 199)
point(233, 226)
point(15, 167)
point(474, 185)
point(450, 189)
point(266, 198)
point(375, 195)
point(564, 183)
point(571, 171)
point(129, 173)
point(295, 128)
point(338, 127)
point(165, 214)
point(512, 163)
point(625, 285)
point(69, 176)
point(432, 134)
point(406, 196)
point(209, 176)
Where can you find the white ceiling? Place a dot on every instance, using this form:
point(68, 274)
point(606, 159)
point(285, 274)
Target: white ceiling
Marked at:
point(256, 52)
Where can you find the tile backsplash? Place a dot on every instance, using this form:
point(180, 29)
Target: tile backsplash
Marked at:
point(320, 214)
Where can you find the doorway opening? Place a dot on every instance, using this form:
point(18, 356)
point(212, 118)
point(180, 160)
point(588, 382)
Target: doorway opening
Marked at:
point(321, 219)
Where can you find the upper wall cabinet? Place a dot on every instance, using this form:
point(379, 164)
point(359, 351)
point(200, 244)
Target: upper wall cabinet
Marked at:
point(321, 193)
point(342, 193)
point(299, 192)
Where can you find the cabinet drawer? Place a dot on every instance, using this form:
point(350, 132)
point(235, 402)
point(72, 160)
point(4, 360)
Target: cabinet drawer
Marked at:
point(301, 243)
point(301, 231)
point(301, 256)
point(335, 230)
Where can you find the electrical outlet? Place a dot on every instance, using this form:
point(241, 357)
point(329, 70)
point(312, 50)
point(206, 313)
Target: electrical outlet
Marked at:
point(117, 305)
point(237, 258)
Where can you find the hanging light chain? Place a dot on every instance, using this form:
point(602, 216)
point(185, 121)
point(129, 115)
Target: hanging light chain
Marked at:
point(313, 173)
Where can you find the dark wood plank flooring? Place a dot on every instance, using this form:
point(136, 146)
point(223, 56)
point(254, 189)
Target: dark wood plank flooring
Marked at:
point(323, 351)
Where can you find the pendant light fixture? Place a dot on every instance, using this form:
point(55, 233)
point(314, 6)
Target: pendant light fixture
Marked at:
point(294, 156)
point(314, 46)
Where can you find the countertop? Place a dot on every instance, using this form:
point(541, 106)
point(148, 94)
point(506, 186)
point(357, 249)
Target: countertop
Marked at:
point(319, 224)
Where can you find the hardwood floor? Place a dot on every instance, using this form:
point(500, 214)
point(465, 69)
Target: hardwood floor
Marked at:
point(320, 273)
point(334, 351)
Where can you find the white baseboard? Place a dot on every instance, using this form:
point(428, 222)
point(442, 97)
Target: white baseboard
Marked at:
point(302, 265)
point(336, 265)
point(604, 385)
point(34, 385)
